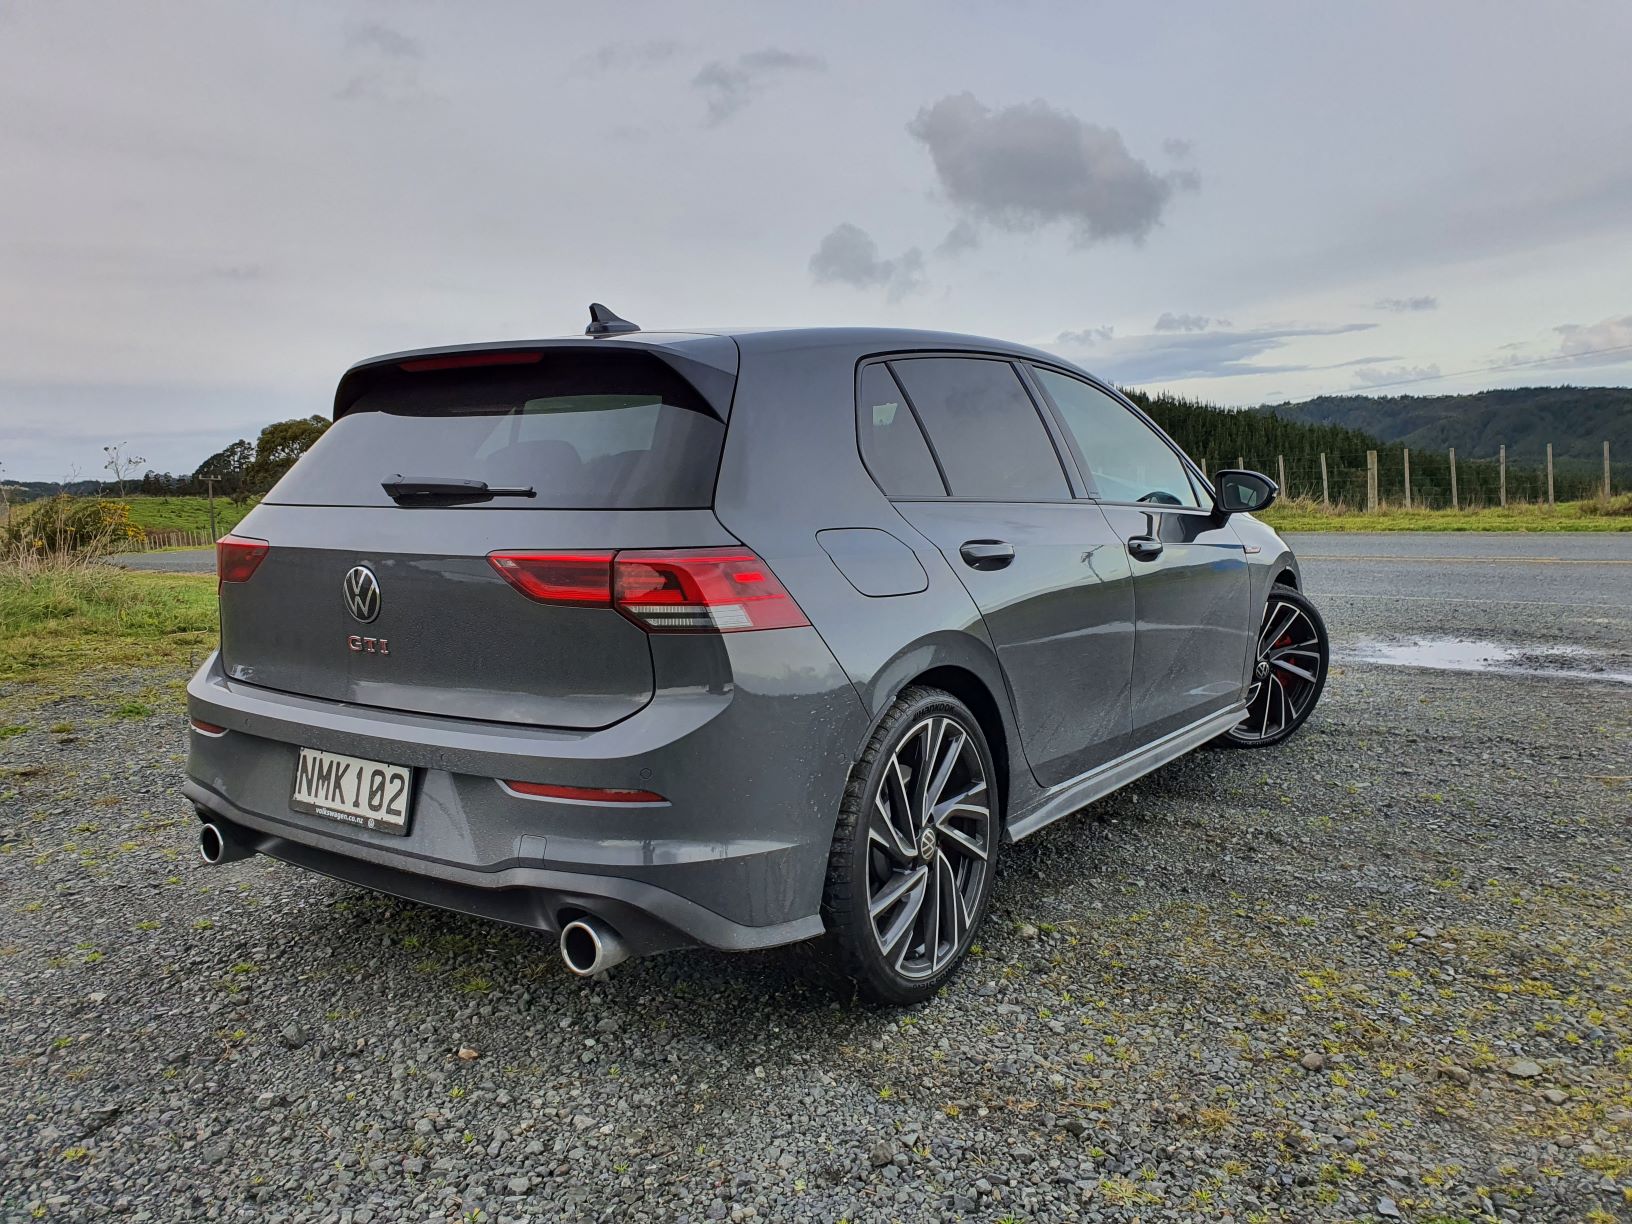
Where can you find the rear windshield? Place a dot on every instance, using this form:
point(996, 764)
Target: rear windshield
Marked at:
point(584, 431)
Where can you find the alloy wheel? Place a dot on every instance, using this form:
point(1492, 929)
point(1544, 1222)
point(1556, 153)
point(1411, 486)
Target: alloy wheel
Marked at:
point(1287, 673)
point(929, 842)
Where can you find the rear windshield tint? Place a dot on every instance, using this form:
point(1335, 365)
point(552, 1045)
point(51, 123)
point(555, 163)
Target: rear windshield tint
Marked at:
point(584, 431)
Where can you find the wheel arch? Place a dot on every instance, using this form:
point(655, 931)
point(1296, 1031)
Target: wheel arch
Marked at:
point(973, 692)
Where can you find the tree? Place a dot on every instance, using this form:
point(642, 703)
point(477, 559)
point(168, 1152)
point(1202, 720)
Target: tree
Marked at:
point(122, 464)
point(279, 445)
point(228, 467)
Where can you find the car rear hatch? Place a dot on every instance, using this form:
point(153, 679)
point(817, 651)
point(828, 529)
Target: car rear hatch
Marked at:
point(387, 577)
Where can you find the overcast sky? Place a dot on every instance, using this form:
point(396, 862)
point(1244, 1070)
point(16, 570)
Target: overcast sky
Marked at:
point(208, 210)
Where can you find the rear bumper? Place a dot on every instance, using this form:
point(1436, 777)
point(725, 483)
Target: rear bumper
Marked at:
point(754, 773)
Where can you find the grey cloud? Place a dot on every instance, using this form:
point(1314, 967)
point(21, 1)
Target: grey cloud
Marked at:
point(633, 53)
point(1585, 343)
point(727, 87)
point(1178, 148)
point(1086, 338)
point(960, 238)
point(849, 256)
point(1170, 322)
point(1028, 166)
point(372, 36)
point(1174, 356)
point(1406, 305)
point(1376, 376)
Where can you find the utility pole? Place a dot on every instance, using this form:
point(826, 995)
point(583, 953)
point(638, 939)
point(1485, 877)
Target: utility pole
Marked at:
point(1606, 469)
point(1455, 505)
point(1280, 471)
point(209, 484)
point(1406, 455)
point(1325, 485)
point(1371, 482)
point(1549, 475)
point(1503, 469)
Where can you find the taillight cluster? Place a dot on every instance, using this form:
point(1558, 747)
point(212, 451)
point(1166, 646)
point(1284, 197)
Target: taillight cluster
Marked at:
point(236, 557)
point(694, 590)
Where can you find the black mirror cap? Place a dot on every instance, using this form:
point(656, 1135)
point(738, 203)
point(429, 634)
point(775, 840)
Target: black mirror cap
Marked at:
point(1239, 491)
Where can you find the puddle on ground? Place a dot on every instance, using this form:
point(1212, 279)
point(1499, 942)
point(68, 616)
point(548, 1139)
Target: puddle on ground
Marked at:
point(1466, 654)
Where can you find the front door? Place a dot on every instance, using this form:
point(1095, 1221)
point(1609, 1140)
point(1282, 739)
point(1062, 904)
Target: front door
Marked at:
point(1192, 594)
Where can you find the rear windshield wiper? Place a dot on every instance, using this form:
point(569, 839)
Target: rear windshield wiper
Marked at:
point(447, 489)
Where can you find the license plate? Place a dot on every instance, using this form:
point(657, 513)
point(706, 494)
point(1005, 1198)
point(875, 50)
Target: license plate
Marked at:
point(370, 794)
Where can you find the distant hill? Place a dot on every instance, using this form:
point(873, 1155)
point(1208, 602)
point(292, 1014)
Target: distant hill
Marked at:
point(1576, 420)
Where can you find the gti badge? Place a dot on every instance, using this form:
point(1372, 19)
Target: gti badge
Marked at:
point(362, 592)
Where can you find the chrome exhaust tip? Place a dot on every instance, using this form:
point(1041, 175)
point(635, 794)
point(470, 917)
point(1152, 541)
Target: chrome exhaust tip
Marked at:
point(589, 946)
point(215, 847)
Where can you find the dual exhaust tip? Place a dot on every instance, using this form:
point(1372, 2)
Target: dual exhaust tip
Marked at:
point(588, 945)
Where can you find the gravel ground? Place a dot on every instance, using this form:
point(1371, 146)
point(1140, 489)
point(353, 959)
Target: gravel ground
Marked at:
point(1382, 972)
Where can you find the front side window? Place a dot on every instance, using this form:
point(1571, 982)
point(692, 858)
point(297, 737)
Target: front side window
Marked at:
point(892, 445)
point(1129, 460)
point(985, 430)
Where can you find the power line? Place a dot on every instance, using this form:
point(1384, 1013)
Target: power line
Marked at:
point(1506, 365)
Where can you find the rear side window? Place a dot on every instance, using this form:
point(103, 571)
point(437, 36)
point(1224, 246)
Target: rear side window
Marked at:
point(984, 428)
point(892, 445)
point(583, 430)
point(1129, 460)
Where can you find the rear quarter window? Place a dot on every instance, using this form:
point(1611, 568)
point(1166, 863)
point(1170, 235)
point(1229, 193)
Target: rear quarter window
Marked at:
point(617, 430)
point(892, 444)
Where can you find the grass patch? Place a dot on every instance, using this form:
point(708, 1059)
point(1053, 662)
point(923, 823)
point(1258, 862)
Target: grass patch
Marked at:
point(184, 513)
point(1302, 514)
point(60, 620)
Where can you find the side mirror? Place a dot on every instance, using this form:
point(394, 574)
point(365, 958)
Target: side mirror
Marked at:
point(1239, 492)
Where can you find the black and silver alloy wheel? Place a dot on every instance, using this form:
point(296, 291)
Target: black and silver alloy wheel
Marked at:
point(929, 835)
point(1289, 671)
point(915, 849)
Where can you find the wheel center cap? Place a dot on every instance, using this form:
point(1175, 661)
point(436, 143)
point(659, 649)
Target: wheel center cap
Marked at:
point(1263, 668)
point(926, 844)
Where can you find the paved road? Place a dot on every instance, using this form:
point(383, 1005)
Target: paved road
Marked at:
point(170, 561)
point(1531, 592)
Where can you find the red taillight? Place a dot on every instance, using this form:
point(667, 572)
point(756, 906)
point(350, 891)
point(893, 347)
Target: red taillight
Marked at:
point(581, 579)
point(236, 557)
point(686, 590)
point(703, 590)
point(465, 361)
point(583, 794)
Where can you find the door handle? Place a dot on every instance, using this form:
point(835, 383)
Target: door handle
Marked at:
point(1145, 548)
point(986, 554)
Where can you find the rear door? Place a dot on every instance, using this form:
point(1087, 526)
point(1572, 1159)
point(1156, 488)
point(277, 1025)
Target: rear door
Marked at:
point(1192, 593)
point(1049, 577)
point(393, 602)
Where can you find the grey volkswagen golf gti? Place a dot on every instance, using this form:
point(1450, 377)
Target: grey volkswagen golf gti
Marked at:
point(652, 640)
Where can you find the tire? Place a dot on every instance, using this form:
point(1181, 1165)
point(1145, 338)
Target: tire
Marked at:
point(1289, 672)
point(940, 882)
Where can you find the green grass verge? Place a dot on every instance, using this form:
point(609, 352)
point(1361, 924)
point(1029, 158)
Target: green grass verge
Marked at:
point(1568, 516)
point(58, 622)
point(184, 513)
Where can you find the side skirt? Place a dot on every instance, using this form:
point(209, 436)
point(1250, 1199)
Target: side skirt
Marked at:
point(1072, 796)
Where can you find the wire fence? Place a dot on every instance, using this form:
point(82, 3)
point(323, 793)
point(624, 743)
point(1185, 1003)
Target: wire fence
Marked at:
point(1426, 480)
point(155, 540)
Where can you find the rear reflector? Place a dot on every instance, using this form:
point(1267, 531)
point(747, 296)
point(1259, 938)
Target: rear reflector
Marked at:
point(577, 578)
point(583, 794)
point(236, 557)
point(704, 590)
point(207, 728)
point(466, 361)
point(690, 590)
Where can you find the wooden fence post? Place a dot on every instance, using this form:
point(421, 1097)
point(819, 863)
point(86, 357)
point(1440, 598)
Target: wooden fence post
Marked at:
point(1280, 475)
point(1606, 469)
point(1455, 505)
point(1371, 482)
point(1240, 461)
point(1325, 486)
point(1502, 468)
point(1405, 454)
point(1549, 475)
